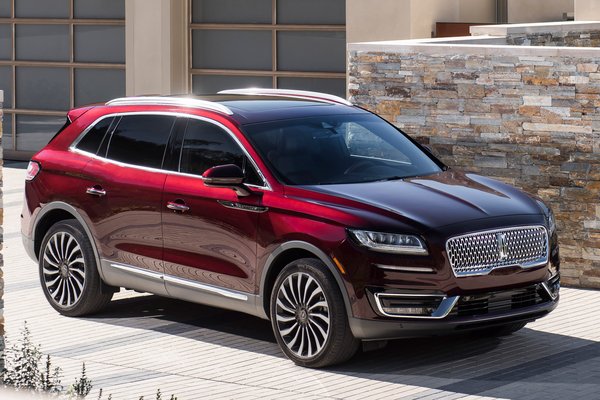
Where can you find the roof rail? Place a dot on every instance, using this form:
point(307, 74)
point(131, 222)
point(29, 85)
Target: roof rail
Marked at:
point(170, 101)
point(300, 94)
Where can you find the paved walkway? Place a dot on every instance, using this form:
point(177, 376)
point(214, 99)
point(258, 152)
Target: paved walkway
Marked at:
point(142, 343)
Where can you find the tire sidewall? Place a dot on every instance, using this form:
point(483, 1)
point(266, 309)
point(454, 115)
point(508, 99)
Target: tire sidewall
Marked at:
point(91, 275)
point(337, 312)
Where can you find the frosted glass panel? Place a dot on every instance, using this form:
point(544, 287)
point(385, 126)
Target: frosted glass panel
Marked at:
point(230, 49)
point(308, 12)
point(210, 84)
point(100, 9)
point(232, 11)
point(104, 44)
point(41, 88)
point(325, 85)
point(311, 51)
point(42, 42)
point(5, 8)
point(42, 8)
point(98, 85)
point(5, 42)
point(34, 132)
point(6, 85)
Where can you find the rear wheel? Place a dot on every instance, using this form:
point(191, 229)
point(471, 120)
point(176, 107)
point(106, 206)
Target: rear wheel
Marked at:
point(68, 271)
point(308, 316)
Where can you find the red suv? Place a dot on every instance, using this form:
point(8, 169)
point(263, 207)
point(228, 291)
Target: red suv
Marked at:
point(292, 206)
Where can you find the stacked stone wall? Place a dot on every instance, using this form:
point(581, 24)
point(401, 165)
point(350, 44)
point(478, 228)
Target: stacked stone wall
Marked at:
point(530, 120)
point(588, 38)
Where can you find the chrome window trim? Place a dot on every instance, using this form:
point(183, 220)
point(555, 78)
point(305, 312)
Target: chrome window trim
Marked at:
point(490, 269)
point(73, 147)
point(170, 101)
point(441, 312)
point(296, 94)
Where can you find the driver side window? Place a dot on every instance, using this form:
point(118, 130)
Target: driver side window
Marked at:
point(205, 145)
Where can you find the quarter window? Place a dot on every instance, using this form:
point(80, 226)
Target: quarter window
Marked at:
point(141, 140)
point(206, 145)
point(91, 141)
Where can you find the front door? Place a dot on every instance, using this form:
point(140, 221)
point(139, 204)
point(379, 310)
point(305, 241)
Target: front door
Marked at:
point(209, 233)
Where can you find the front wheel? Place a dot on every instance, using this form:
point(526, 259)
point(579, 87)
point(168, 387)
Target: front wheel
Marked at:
point(308, 316)
point(68, 271)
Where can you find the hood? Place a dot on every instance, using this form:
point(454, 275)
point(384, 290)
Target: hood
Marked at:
point(437, 200)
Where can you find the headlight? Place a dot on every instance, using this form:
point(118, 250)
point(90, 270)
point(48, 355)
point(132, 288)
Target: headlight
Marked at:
point(390, 242)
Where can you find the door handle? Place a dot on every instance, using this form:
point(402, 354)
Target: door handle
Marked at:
point(96, 191)
point(177, 206)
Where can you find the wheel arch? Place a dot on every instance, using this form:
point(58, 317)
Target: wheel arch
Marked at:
point(286, 253)
point(53, 213)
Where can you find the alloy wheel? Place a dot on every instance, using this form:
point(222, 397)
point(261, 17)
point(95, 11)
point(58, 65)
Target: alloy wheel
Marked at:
point(302, 315)
point(63, 269)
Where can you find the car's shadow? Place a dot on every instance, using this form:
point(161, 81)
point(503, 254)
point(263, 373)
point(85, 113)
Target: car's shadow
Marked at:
point(461, 363)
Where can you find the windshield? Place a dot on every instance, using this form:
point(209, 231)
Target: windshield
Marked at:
point(338, 149)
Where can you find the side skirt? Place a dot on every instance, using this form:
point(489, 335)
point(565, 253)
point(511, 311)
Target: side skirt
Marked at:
point(144, 280)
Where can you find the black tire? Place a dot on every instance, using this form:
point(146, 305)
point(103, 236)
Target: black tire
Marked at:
point(327, 343)
point(68, 271)
point(502, 330)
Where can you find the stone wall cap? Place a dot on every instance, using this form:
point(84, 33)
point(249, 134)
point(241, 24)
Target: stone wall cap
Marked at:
point(427, 46)
point(539, 27)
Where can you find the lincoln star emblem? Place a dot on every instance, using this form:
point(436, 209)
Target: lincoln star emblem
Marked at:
point(502, 246)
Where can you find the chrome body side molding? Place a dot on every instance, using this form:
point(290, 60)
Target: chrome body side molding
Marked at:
point(178, 288)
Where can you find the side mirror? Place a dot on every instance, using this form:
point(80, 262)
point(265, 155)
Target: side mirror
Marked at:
point(226, 176)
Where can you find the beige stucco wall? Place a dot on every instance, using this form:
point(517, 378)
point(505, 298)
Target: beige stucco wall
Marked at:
point(477, 11)
point(520, 11)
point(377, 20)
point(587, 10)
point(156, 46)
point(410, 19)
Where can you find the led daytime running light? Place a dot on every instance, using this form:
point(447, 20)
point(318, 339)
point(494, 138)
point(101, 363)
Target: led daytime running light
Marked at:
point(390, 242)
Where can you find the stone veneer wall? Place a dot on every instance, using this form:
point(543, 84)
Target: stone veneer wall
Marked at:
point(568, 39)
point(527, 116)
point(1, 246)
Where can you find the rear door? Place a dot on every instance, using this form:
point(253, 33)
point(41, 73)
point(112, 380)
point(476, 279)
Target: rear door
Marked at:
point(209, 233)
point(124, 192)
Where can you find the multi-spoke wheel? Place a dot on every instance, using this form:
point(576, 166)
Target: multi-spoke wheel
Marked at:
point(308, 315)
point(68, 271)
point(63, 269)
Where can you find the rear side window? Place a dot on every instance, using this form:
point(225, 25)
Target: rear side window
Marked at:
point(206, 145)
point(141, 140)
point(92, 139)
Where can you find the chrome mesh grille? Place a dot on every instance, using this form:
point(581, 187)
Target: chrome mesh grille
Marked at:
point(481, 252)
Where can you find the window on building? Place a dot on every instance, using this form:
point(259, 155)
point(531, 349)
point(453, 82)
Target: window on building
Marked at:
point(288, 44)
point(141, 140)
point(56, 55)
point(205, 145)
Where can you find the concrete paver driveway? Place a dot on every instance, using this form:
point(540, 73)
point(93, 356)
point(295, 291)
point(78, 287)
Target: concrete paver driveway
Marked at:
point(142, 343)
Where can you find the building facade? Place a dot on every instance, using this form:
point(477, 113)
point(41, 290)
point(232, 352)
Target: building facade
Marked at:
point(59, 54)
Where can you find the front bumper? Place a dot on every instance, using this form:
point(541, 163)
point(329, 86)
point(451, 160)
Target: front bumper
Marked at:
point(467, 313)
